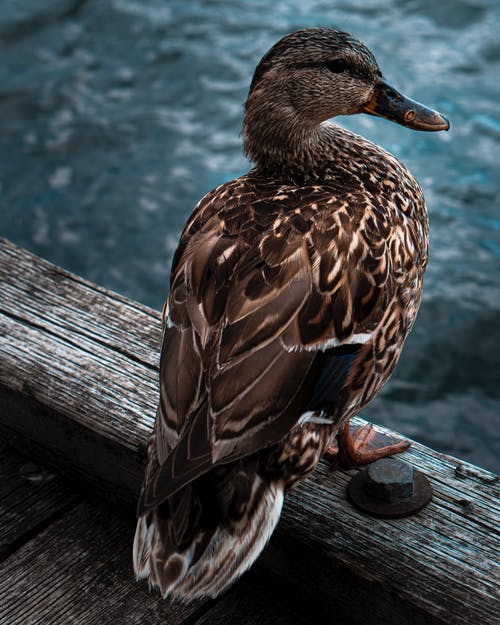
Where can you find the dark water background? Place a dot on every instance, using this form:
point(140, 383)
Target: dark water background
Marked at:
point(116, 116)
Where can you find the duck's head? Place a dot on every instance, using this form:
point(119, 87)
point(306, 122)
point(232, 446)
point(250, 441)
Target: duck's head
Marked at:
point(312, 75)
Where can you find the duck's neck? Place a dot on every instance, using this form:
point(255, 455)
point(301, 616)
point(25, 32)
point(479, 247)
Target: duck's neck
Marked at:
point(281, 142)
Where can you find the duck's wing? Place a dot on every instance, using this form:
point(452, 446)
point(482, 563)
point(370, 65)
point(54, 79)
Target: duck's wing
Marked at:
point(248, 330)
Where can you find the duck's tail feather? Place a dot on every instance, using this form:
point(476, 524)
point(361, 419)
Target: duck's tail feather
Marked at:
point(207, 561)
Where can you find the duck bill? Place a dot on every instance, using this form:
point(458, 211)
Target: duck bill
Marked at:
point(389, 103)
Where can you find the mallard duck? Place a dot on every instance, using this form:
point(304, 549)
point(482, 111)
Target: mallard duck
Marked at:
point(292, 291)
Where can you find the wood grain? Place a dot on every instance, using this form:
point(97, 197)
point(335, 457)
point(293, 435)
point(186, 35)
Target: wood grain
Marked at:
point(78, 571)
point(76, 376)
point(244, 606)
point(78, 389)
point(30, 499)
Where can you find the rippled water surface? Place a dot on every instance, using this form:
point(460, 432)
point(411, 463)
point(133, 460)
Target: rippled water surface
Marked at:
point(116, 116)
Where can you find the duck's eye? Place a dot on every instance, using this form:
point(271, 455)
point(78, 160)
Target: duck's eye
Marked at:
point(337, 67)
point(393, 95)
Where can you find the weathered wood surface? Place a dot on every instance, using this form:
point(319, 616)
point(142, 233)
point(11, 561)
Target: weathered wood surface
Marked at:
point(30, 499)
point(246, 606)
point(78, 389)
point(78, 372)
point(78, 571)
point(68, 561)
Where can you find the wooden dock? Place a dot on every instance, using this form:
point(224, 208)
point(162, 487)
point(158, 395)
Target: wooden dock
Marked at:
point(78, 393)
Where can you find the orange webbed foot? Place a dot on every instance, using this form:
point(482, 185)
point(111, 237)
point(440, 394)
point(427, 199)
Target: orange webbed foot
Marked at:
point(362, 446)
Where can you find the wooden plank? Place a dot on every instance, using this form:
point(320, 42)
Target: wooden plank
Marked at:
point(64, 361)
point(79, 571)
point(30, 499)
point(444, 562)
point(244, 605)
point(97, 397)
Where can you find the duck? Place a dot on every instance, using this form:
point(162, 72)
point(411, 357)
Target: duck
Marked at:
point(292, 291)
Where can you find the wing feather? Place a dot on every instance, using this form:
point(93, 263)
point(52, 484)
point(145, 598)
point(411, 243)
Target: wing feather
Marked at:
point(260, 300)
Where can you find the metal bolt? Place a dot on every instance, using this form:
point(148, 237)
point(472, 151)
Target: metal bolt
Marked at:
point(389, 488)
point(389, 479)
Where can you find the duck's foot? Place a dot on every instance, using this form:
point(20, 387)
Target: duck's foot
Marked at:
point(362, 446)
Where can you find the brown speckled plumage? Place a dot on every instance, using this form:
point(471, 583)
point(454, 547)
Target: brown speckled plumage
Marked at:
point(292, 291)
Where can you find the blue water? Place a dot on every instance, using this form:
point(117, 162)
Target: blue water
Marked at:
point(116, 116)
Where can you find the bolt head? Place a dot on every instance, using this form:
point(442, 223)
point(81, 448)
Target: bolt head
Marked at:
point(389, 480)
